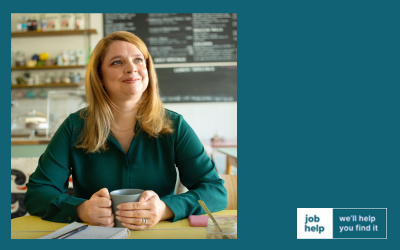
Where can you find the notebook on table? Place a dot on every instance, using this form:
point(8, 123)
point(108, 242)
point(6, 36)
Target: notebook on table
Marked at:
point(91, 232)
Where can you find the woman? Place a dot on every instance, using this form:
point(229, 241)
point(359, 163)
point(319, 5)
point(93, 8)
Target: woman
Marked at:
point(123, 139)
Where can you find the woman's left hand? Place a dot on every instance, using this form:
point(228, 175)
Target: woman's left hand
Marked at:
point(149, 207)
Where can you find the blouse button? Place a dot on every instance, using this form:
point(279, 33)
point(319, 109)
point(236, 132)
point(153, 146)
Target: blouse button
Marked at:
point(69, 218)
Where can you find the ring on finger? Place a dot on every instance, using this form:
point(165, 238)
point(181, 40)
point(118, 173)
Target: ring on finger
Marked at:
point(144, 221)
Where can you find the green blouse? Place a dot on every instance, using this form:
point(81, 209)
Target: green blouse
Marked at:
point(149, 164)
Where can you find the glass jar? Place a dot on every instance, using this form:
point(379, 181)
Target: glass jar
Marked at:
point(80, 57)
point(42, 94)
point(36, 79)
point(228, 225)
point(65, 58)
point(72, 57)
point(56, 79)
point(30, 81)
point(47, 79)
point(65, 78)
point(75, 77)
point(14, 81)
point(20, 59)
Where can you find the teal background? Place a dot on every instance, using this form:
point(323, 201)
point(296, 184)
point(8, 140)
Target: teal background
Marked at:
point(380, 221)
point(326, 117)
point(318, 115)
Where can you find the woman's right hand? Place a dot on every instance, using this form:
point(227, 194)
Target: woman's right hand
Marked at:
point(97, 211)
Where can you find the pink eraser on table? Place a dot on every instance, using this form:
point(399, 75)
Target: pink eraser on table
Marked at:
point(198, 220)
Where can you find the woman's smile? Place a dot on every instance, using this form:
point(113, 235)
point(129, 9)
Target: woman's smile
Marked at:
point(132, 80)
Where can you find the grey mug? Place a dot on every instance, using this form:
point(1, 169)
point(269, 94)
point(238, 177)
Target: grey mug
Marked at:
point(123, 196)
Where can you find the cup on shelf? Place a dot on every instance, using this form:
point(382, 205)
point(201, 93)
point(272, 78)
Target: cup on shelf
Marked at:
point(49, 62)
point(19, 94)
point(47, 79)
point(56, 79)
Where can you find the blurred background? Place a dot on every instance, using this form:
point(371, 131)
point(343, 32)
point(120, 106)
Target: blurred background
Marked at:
point(195, 57)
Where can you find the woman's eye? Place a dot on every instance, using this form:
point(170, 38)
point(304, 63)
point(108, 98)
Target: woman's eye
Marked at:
point(139, 59)
point(116, 62)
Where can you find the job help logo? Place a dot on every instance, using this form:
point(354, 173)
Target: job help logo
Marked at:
point(341, 223)
point(314, 223)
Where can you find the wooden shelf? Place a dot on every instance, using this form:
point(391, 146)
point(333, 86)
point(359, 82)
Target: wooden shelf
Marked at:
point(27, 135)
point(30, 141)
point(44, 85)
point(48, 67)
point(53, 33)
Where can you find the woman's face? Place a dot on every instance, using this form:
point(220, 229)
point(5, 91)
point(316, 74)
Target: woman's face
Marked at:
point(125, 75)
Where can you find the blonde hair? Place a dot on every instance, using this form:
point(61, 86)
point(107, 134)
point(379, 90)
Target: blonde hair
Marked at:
point(151, 116)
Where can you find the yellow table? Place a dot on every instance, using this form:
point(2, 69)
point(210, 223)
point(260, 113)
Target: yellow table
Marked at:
point(33, 227)
point(231, 158)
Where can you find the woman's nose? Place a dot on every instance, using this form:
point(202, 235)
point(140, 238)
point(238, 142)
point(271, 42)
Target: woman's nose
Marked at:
point(131, 68)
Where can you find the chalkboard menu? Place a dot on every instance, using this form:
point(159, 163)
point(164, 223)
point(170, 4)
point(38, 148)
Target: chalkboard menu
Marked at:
point(181, 38)
point(198, 84)
point(187, 40)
